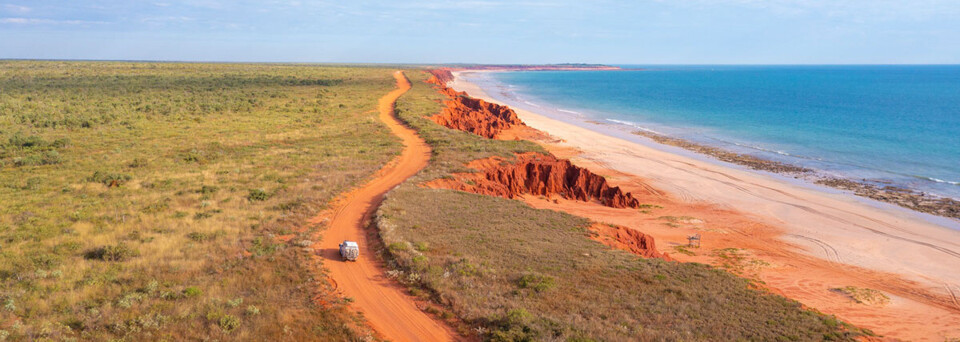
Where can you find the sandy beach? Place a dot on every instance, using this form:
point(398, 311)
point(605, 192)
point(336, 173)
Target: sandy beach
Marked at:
point(804, 240)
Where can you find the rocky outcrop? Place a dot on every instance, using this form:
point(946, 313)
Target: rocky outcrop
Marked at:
point(440, 77)
point(629, 240)
point(469, 114)
point(542, 175)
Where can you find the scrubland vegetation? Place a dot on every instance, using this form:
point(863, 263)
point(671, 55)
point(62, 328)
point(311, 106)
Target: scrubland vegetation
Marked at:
point(513, 273)
point(140, 201)
point(145, 201)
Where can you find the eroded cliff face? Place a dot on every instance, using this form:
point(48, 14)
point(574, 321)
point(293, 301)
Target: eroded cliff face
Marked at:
point(629, 240)
point(440, 77)
point(469, 114)
point(541, 175)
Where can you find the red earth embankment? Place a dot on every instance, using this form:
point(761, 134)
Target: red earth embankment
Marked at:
point(540, 175)
point(470, 114)
point(627, 239)
point(544, 175)
point(440, 77)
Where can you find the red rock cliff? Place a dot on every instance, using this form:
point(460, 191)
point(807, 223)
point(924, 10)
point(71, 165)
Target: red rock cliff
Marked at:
point(440, 77)
point(469, 114)
point(543, 175)
point(629, 240)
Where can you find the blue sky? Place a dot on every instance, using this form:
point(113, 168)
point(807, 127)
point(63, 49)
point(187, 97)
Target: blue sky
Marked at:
point(486, 31)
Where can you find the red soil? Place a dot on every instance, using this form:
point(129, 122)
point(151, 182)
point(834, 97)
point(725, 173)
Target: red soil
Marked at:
point(627, 239)
point(469, 114)
point(541, 175)
point(440, 77)
point(384, 303)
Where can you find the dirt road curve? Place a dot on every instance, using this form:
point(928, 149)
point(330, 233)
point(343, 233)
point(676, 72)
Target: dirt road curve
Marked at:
point(390, 311)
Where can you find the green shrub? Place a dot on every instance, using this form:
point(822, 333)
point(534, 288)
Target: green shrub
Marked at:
point(109, 179)
point(287, 206)
point(512, 327)
point(33, 183)
point(258, 195)
point(204, 237)
point(235, 302)
point(208, 190)
point(137, 163)
point(20, 141)
point(261, 248)
point(229, 323)
point(43, 158)
point(192, 291)
point(119, 252)
point(157, 207)
point(536, 282)
point(252, 310)
point(397, 247)
point(194, 156)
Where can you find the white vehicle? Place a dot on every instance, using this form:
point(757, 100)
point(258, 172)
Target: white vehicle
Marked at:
point(349, 250)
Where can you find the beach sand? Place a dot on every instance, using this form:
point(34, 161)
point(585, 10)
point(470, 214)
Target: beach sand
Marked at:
point(799, 240)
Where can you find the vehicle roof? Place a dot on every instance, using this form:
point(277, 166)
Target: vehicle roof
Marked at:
point(351, 244)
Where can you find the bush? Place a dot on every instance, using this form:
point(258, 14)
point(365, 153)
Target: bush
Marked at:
point(397, 247)
point(120, 252)
point(536, 282)
point(20, 141)
point(194, 156)
point(109, 179)
point(192, 291)
point(207, 190)
point(204, 237)
point(258, 195)
point(33, 183)
point(157, 207)
point(137, 163)
point(45, 158)
point(229, 323)
point(513, 327)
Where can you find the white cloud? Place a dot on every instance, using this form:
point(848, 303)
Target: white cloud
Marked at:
point(16, 8)
point(167, 19)
point(37, 21)
point(852, 9)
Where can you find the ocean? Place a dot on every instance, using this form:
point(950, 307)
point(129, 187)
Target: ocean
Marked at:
point(890, 125)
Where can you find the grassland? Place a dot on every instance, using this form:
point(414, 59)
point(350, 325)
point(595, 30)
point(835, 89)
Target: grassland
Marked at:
point(143, 201)
point(513, 273)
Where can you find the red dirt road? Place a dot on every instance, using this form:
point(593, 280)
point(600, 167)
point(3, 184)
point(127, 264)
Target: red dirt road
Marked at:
point(389, 310)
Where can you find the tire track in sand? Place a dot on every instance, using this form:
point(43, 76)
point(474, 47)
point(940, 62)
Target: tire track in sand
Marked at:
point(828, 250)
point(384, 303)
point(953, 294)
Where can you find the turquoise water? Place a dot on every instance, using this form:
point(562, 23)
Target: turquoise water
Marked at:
point(888, 124)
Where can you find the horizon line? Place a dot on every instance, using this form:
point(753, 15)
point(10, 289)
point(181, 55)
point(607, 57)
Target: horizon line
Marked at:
point(467, 63)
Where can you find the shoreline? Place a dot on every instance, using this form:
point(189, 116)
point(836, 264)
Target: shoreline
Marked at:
point(939, 210)
point(916, 199)
point(875, 189)
point(818, 238)
point(906, 198)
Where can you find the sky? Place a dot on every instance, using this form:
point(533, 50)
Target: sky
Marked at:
point(487, 31)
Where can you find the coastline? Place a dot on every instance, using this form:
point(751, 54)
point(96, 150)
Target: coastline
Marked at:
point(839, 231)
point(910, 196)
